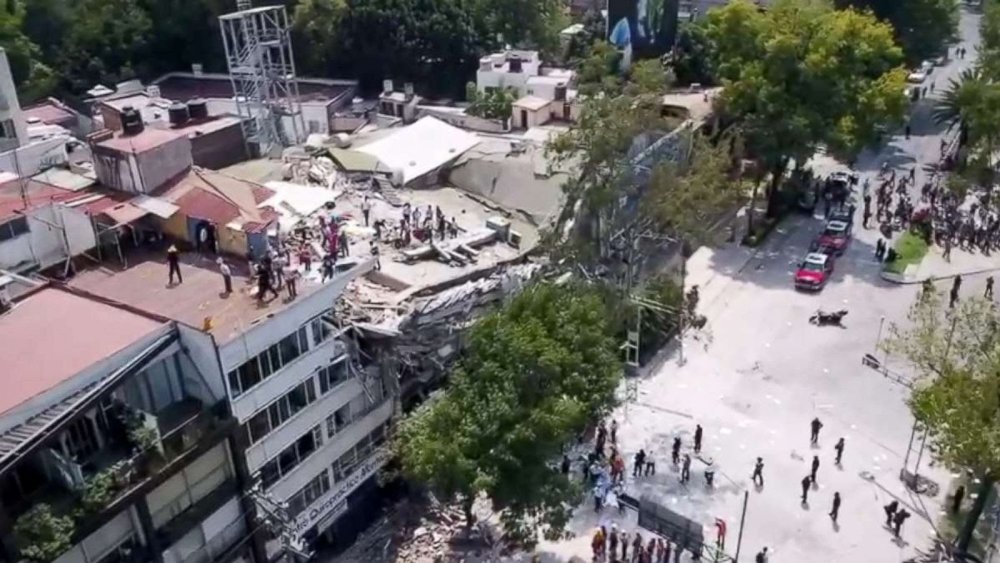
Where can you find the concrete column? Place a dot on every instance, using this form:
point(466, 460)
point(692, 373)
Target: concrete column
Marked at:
point(155, 550)
point(238, 443)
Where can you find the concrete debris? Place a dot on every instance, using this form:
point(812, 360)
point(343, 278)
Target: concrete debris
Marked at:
point(418, 532)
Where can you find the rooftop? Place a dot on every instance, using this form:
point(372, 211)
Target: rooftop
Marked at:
point(420, 148)
point(220, 199)
point(13, 201)
point(185, 86)
point(150, 138)
point(199, 299)
point(49, 112)
point(54, 315)
point(533, 103)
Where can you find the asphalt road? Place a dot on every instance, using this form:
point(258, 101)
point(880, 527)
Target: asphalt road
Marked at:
point(761, 373)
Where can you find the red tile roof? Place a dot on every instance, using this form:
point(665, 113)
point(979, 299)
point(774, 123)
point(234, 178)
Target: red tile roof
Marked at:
point(221, 199)
point(37, 194)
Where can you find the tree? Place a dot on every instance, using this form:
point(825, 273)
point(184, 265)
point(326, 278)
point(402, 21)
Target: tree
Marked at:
point(494, 104)
point(317, 33)
point(532, 378)
point(801, 75)
point(922, 27)
point(42, 536)
point(956, 355)
point(692, 59)
point(107, 43)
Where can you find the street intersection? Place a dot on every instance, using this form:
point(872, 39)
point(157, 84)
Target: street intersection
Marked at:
point(761, 373)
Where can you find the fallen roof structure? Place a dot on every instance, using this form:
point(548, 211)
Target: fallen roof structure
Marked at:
point(418, 149)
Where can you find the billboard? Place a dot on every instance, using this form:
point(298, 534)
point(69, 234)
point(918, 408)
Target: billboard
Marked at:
point(642, 28)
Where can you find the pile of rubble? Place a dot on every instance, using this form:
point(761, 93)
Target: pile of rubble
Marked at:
point(419, 532)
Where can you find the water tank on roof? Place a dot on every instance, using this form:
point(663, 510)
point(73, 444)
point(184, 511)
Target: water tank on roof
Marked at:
point(560, 93)
point(178, 113)
point(197, 108)
point(131, 121)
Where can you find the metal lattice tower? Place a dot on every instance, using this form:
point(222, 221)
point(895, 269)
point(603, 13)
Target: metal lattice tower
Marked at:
point(262, 70)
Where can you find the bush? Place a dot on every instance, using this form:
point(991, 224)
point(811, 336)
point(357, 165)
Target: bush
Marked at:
point(42, 536)
point(99, 491)
point(910, 249)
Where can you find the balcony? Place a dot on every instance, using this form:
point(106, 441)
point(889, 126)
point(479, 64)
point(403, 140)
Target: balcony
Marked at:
point(131, 452)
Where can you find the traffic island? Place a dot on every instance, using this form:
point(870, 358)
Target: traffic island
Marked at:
point(904, 258)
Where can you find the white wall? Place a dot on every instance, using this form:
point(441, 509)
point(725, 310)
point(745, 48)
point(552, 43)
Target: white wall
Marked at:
point(268, 330)
point(201, 347)
point(45, 245)
point(291, 430)
point(186, 487)
point(332, 449)
point(282, 381)
point(10, 108)
point(32, 158)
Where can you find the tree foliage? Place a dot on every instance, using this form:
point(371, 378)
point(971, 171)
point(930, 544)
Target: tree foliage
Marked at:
point(956, 354)
point(534, 374)
point(692, 59)
point(65, 47)
point(494, 104)
point(922, 27)
point(801, 75)
point(42, 536)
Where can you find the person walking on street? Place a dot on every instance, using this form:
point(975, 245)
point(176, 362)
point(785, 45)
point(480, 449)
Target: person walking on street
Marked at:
point(227, 275)
point(686, 469)
point(814, 427)
point(839, 448)
point(907, 130)
point(955, 286)
point(173, 265)
point(697, 438)
point(988, 294)
point(866, 217)
point(815, 468)
point(898, 520)
point(890, 512)
point(758, 472)
point(956, 501)
point(640, 461)
point(624, 540)
point(806, 481)
point(675, 451)
point(614, 431)
point(836, 507)
point(761, 556)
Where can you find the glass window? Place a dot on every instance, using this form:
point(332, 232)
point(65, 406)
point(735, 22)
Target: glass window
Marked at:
point(268, 362)
point(320, 330)
point(332, 376)
point(342, 416)
point(269, 473)
point(291, 456)
point(259, 425)
point(290, 350)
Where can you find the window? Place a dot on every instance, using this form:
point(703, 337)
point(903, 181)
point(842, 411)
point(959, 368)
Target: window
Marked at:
point(338, 420)
point(345, 466)
point(13, 228)
point(320, 330)
point(332, 375)
point(309, 494)
point(291, 457)
point(268, 362)
point(349, 462)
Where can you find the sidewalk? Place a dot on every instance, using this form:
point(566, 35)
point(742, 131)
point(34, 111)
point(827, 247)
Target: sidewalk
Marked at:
point(935, 267)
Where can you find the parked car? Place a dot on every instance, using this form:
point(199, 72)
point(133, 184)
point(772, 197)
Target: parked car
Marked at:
point(916, 77)
point(814, 271)
point(836, 235)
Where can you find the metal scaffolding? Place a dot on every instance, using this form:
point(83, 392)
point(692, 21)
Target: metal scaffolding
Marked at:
point(262, 70)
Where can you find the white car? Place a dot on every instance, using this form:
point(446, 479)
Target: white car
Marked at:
point(916, 77)
point(927, 67)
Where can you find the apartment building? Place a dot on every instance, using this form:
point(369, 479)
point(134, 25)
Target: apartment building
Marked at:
point(116, 442)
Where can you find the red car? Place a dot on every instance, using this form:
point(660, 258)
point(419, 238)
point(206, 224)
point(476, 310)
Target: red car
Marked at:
point(814, 271)
point(836, 235)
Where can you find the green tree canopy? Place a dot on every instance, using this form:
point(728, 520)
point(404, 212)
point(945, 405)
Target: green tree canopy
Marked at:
point(922, 27)
point(802, 74)
point(956, 355)
point(534, 375)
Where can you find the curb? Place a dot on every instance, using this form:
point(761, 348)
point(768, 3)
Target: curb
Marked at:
point(901, 279)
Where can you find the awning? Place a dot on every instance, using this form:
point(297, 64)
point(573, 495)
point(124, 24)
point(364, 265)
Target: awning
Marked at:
point(125, 213)
point(161, 208)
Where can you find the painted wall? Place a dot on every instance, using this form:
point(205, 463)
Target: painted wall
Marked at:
point(97, 545)
point(201, 347)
